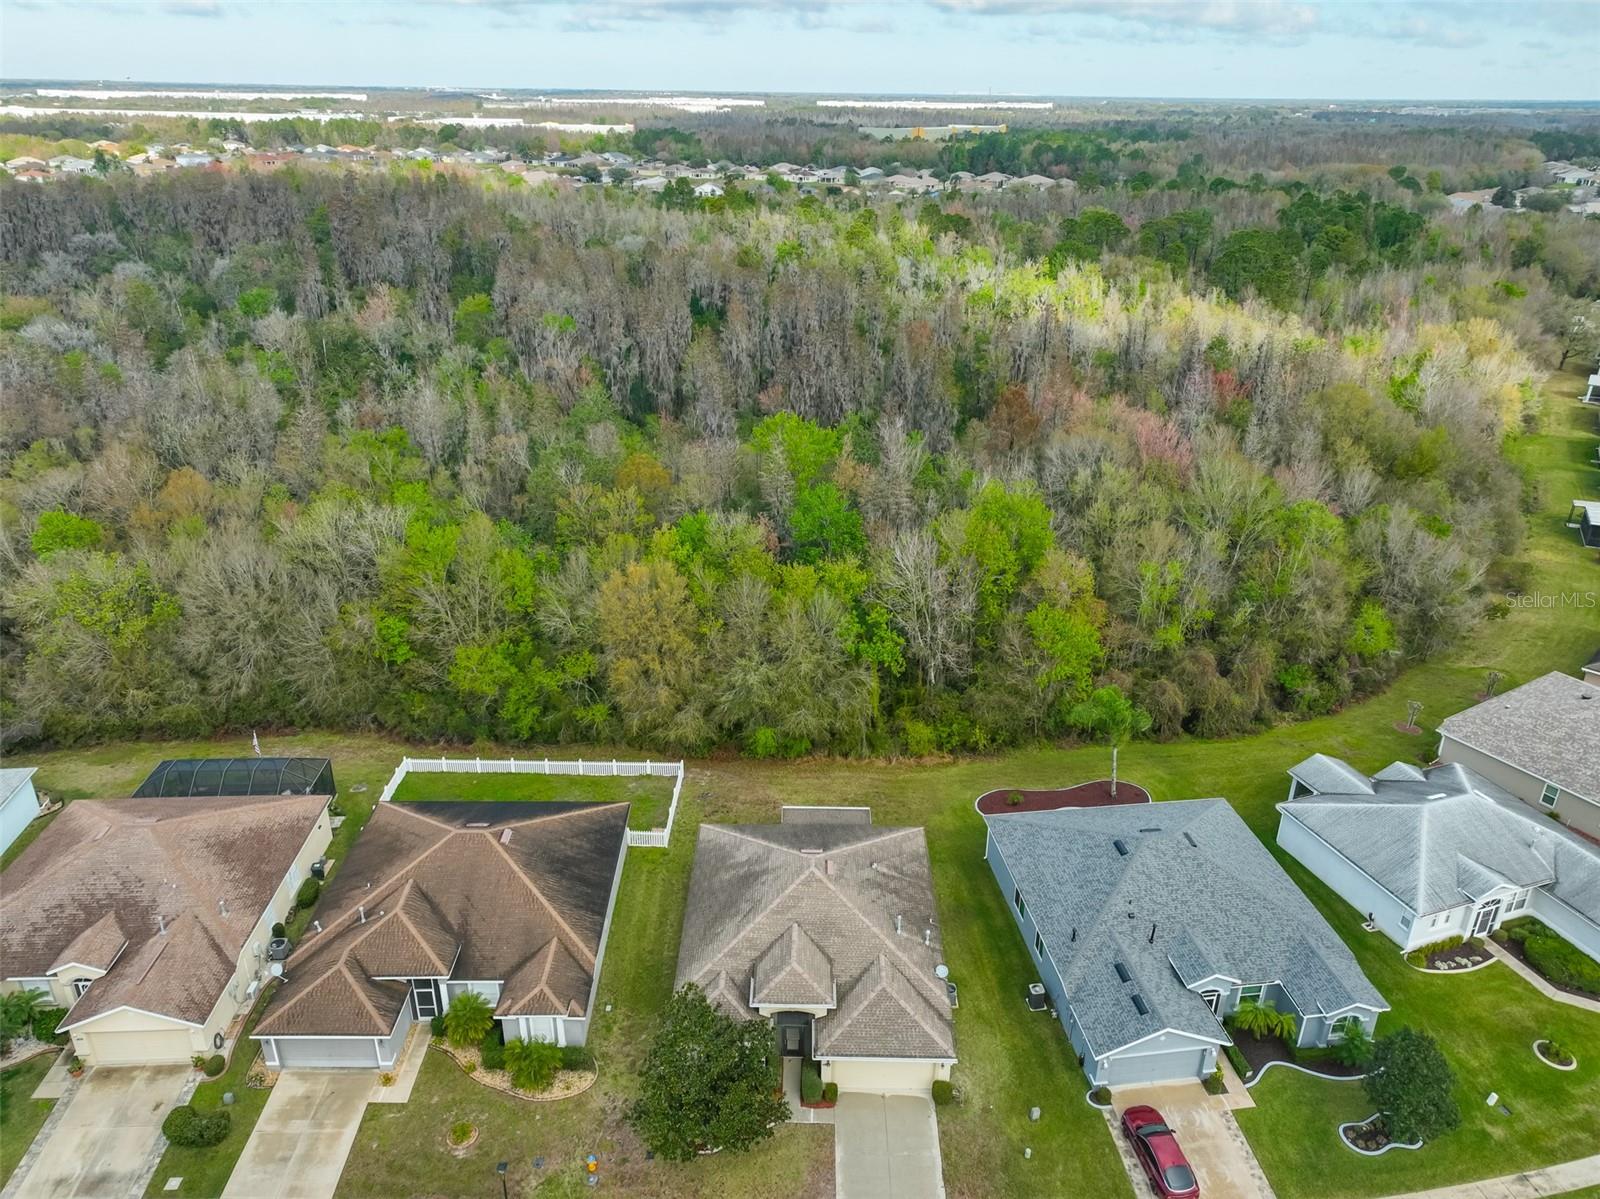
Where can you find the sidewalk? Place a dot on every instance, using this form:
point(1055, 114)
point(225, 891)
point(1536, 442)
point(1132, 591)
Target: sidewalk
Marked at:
point(1550, 1180)
point(1540, 985)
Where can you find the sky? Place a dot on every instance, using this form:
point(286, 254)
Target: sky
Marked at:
point(1243, 49)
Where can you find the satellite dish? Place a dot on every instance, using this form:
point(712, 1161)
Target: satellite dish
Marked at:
point(942, 970)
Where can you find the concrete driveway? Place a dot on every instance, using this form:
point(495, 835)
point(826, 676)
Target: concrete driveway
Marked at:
point(1208, 1133)
point(298, 1147)
point(109, 1137)
point(886, 1147)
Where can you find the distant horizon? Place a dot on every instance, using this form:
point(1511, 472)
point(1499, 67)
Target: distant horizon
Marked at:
point(1224, 51)
point(8, 82)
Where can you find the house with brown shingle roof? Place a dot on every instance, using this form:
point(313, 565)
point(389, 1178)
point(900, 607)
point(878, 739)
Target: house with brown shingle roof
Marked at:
point(148, 919)
point(826, 925)
point(508, 900)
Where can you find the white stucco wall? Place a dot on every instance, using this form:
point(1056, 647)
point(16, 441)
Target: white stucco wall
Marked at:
point(17, 812)
point(1353, 886)
point(1583, 933)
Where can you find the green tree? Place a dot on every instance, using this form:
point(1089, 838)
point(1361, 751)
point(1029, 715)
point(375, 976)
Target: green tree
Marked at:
point(474, 320)
point(257, 302)
point(1260, 261)
point(57, 530)
point(468, 1019)
point(18, 1010)
point(1110, 714)
point(1412, 1086)
point(1264, 1020)
point(708, 1081)
point(823, 525)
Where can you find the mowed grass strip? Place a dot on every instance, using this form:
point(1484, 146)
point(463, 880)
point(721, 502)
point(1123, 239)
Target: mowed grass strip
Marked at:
point(21, 1117)
point(650, 796)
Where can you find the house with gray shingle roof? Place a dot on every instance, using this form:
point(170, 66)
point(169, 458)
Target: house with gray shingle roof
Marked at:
point(1150, 923)
point(825, 925)
point(1540, 742)
point(1431, 853)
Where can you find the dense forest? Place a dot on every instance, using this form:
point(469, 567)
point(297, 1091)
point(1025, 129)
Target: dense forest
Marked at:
point(786, 473)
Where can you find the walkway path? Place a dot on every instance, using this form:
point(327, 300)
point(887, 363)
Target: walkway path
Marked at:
point(1549, 1180)
point(1539, 982)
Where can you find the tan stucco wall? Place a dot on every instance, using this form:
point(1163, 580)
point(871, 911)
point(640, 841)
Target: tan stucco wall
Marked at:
point(1570, 809)
point(914, 1077)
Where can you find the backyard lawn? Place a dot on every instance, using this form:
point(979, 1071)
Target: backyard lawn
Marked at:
point(1010, 1059)
point(650, 797)
point(20, 1116)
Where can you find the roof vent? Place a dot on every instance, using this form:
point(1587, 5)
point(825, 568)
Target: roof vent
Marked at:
point(1189, 837)
point(1122, 971)
point(505, 836)
point(1438, 795)
point(1140, 1006)
point(1121, 847)
point(827, 866)
point(809, 850)
point(1150, 830)
point(477, 824)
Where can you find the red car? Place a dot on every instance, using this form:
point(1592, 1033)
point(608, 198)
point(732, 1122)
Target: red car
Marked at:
point(1156, 1147)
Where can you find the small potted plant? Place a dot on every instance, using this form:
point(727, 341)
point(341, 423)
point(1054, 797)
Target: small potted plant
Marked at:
point(75, 1066)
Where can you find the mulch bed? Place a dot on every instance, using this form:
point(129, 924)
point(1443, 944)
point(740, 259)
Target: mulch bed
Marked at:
point(1085, 795)
point(1370, 1136)
point(1272, 1049)
point(1453, 959)
point(1514, 948)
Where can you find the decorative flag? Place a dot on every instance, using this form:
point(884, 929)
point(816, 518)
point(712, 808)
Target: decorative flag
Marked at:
point(255, 742)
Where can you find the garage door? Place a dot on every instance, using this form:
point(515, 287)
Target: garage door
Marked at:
point(310, 1053)
point(884, 1077)
point(1155, 1067)
point(157, 1047)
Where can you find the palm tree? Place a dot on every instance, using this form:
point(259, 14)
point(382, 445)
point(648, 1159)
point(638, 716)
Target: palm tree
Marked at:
point(1264, 1020)
point(1112, 715)
point(468, 1019)
point(17, 1011)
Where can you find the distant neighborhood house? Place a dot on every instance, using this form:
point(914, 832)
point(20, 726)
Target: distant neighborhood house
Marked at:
point(1540, 742)
point(19, 803)
point(1149, 924)
point(1427, 854)
point(510, 900)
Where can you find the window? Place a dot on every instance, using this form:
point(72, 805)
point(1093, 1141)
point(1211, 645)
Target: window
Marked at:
point(1016, 898)
point(1342, 1026)
point(1549, 795)
point(1251, 994)
point(1518, 902)
point(1405, 922)
point(1038, 944)
point(79, 986)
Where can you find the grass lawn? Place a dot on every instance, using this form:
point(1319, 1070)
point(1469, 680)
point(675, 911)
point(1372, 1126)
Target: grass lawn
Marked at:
point(650, 796)
point(20, 1116)
point(205, 1171)
point(1486, 1023)
point(1009, 1059)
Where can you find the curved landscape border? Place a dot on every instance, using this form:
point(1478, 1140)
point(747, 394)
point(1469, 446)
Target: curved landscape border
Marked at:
point(1093, 794)
point(1262, 1073)
point(1372, 1152)
point(476, 1076)
point(1554, 1065)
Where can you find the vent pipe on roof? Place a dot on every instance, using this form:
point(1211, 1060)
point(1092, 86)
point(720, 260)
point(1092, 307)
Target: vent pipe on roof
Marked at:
point(222, 907)
point(927, 936)
point(897, 924)
point(1152, 933)
point(316, 926)
point(361, 911)
point(161, 924)
point(1074, 933)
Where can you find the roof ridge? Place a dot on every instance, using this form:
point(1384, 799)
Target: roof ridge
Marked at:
point(885, 942)
point(412, 887)
point(742, 926)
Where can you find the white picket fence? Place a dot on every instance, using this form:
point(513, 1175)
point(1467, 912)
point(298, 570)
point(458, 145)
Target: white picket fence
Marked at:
point(656, 838)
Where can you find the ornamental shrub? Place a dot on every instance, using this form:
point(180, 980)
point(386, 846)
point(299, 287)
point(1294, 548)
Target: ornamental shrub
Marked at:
point(532, 1064)
point(215, 1065)
point(307, 894)
point(830, 1092)
point(194, 1129)
point(944, 1091)
point(810, 1084)
point(576, 1057)
point(492, 1051)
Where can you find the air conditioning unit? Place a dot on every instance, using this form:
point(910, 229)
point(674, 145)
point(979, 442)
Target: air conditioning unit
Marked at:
point(250, 991)
point(1038, 997)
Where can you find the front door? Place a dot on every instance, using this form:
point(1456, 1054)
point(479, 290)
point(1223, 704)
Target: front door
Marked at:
point(791, 1040)
point(1488, 917)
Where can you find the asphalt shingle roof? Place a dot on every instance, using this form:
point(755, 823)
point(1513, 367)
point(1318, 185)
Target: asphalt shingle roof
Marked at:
point(843, 885)
point(1549, 727)
point(161, 893)
point(1195, 895)
point(1448, 836)
point(512, 892)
